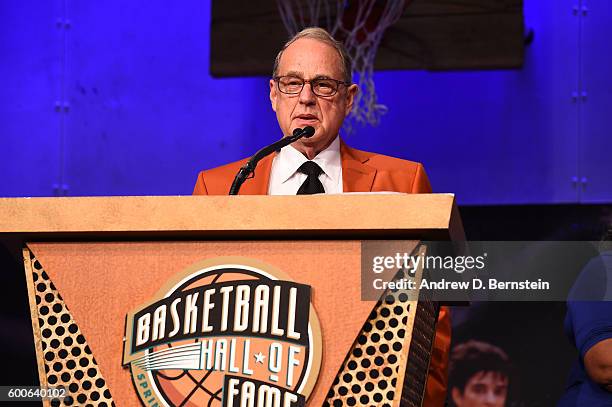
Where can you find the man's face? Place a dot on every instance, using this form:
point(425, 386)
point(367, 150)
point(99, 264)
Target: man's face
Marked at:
point(484, 389)
point(308, 59)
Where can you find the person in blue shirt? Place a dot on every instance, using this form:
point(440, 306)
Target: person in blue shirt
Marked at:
point(588, 324)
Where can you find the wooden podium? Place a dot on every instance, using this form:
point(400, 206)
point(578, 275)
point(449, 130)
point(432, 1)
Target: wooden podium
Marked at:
point(111, 280)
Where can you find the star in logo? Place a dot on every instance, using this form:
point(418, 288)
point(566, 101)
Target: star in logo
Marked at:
point(259, 357)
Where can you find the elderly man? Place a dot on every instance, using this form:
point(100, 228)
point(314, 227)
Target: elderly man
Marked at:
point(311, 86)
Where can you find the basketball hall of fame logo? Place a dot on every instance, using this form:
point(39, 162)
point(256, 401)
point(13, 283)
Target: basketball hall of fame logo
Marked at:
point(226, 332)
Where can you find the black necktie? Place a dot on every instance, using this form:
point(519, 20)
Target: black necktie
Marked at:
point(312, 185)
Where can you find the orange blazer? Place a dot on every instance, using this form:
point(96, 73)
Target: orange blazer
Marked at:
point(361, 172)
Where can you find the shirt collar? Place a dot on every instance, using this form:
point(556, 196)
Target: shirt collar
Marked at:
point(328, 159)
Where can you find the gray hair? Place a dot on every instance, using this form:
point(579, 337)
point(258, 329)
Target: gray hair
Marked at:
point(319, 34)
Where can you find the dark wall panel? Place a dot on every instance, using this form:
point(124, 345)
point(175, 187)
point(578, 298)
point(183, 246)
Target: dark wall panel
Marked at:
point(430, 34)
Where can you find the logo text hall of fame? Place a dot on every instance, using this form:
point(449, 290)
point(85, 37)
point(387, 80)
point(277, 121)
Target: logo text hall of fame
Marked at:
point(239, 335)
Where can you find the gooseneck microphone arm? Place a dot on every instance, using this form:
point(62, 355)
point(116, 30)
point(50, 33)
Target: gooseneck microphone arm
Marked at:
point(250, 165)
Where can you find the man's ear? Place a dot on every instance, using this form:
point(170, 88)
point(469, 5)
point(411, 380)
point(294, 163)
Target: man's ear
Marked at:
point(457, 396)
point(273, 94)
point(351, 91)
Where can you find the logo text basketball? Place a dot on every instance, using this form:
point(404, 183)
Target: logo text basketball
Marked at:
point(225, 335)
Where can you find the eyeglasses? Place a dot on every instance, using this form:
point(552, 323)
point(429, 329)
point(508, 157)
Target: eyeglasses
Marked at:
point(293, 85)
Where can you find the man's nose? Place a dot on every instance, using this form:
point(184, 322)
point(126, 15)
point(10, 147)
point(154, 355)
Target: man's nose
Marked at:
point(307, 97)
point(491, 399)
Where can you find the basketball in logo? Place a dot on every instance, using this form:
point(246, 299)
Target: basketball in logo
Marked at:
point(228, 332)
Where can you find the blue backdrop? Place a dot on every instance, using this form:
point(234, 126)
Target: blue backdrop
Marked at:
point(115, 98)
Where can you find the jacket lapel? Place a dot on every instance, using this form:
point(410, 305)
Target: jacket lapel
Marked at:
point(357, 176)
point(258, 184)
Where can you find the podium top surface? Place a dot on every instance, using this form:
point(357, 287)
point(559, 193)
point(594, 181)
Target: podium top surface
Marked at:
point(424, 216)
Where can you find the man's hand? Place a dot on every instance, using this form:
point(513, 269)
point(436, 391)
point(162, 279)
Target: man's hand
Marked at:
point(598, 363)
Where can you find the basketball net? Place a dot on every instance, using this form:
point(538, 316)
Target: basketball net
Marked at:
point(360, 24)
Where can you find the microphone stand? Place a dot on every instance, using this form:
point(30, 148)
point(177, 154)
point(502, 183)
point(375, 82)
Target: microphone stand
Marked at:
point(250, 165)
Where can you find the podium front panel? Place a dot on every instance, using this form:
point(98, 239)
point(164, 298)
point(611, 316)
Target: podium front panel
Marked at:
point(84, 294)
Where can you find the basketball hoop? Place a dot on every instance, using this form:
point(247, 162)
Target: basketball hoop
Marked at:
point(360, 25)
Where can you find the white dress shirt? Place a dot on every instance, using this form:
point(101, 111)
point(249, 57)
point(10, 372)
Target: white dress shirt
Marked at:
point(285, 179)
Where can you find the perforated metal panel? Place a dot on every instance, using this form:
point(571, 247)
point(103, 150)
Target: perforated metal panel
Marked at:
point(64, 357)
point(388, 362)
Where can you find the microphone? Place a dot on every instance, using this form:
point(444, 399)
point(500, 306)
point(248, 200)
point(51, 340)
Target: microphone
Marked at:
point(306, 132)
point(250, 165)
